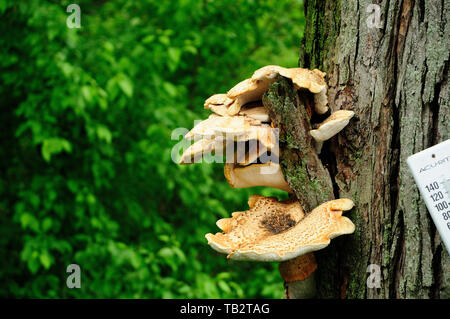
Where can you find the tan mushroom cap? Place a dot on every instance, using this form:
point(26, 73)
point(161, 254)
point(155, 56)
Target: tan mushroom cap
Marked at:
point(218, 103)
point(252, 89)
point(301, 78)
point(332, 125)
point(217, 99)
point(235, 128)
point(247, 91)
point(217, 125)
point(219, 109)
point(264, 133)
point(277, 231)
point(250, 155)
point(314, 81)
point(267, 174)
point(245, 226)
point(260, 139)
point(258, 113)
point(202, 147)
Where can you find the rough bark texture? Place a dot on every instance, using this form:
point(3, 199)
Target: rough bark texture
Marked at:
point(299, 161)
point(395, 78)
point(290, 111)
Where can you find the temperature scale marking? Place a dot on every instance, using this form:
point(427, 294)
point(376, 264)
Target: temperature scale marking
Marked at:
point(431, 171)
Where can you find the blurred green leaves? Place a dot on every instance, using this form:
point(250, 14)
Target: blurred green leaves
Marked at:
point(86, 174)
point(51, 146)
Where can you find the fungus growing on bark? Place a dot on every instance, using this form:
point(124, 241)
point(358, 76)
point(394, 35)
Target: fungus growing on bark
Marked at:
point(257, 113)
point(252, 89)
point(261, 140)
point(217, 125)
point(271, 230)
point(275, 231)
point(204, 146)
point(218, 103)
point(267, 174)
point(332, 125)
point(278, 231)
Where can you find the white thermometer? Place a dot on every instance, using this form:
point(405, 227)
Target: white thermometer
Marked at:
point(431, 171)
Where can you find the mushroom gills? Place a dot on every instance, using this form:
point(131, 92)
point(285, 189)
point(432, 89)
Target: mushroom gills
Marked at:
point(268, 174)
point(204, 147)
point(257, 112)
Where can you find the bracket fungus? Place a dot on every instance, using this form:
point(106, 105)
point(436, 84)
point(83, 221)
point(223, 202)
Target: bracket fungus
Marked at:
point(252, 89)
point(258, 113)
point(332, 125)
point(204, 146)
point(267, 174)
point(278, 231)
point(272, 230)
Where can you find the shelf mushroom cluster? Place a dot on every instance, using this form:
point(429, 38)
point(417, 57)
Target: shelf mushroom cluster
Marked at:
point(240, 126)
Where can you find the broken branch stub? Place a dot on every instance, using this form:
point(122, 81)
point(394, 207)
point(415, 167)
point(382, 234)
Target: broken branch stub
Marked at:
point(299, 161)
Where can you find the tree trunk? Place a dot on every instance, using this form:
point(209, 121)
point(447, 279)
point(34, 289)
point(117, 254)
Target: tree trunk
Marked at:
point(394, 76)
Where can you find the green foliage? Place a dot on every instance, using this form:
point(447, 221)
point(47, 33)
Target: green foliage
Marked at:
point(86, 174)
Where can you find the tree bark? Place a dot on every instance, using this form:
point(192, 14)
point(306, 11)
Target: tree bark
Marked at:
point(300, 163)
point(394, 76)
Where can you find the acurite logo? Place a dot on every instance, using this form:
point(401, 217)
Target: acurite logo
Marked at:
point(437, 163)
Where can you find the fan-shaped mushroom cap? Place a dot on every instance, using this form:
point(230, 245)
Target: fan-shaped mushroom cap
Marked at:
point(202, 147)
point(235, 128)
point(332, 125)
point(277, 231)
point(241, 228)
point(218, 103)
point(268, 174)
point(258, 113)
point(265, 134)
point(247, 91)
point(216, 99)
point(219, 109)
point(305, 79)
point(267, 72)
point(253, 89)
point(262, 142)
point(314, 81)
point(219, 125)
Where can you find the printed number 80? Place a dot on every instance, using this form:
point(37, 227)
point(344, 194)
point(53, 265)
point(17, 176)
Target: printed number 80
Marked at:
point(446, 215)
